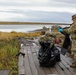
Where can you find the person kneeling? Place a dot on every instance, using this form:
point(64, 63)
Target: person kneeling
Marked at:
point(48, 54)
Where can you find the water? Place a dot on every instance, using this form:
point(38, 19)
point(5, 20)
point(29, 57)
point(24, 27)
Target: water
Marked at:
point(23, 28)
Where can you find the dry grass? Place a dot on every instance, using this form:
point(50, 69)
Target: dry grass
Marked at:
point(9, 47)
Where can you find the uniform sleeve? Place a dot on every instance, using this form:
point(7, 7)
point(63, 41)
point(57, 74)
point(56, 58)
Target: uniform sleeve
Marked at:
point(68, 31)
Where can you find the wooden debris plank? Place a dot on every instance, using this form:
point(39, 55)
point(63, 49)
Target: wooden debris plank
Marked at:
point(32, 65)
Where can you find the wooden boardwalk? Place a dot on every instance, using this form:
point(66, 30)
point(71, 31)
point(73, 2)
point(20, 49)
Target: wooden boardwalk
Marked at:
point(31, 64)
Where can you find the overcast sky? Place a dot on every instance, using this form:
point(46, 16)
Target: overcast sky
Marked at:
point(37, 11)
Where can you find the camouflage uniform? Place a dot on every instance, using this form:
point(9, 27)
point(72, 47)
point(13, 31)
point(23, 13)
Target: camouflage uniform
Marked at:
point(49, 36)
point(72, 31)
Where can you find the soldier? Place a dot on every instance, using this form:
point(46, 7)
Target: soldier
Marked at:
point(72, 31)
point(66, 47)
point(49, 36)
point(41, 38)
point(47, 45)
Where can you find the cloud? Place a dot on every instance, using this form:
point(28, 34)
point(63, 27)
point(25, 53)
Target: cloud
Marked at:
point(22, 2)
point(53, 3)
point(51, 16)
point(4, 16)
point(66, 1)
point(39, 5)
point(63, 3)
point(41, 16)
point(37, 10)
point(46, 3)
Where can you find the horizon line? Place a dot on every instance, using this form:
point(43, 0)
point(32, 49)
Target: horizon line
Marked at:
point(24, 23)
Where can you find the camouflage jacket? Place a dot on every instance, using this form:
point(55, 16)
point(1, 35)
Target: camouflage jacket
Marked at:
point(47, 38)
point(71, 30)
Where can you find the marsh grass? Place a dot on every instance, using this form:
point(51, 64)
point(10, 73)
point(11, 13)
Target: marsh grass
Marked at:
point(9, 47)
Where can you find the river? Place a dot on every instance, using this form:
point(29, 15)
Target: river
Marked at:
point(23, 28)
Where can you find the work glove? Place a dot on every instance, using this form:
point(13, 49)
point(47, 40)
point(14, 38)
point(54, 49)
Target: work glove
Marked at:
point(60, 29)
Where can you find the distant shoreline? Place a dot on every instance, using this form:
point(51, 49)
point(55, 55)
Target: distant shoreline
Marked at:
point(24, 23)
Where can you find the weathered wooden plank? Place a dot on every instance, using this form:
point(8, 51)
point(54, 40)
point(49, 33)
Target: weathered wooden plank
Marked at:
point(46, 70)
point(40, 69)
point(21, 64)
point(52, 74)
point(4, 72)
point(67, 63)
point(67, 72)
point(26, 61)
point(59, 69)
point(70, 60)
point(53, 70)
point(32, 65)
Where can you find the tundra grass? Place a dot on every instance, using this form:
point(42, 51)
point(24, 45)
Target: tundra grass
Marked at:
point(8, 59)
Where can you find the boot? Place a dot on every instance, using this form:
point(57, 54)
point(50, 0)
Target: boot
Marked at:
point(73, 65)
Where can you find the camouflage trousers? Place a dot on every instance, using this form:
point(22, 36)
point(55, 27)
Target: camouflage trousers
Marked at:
point(73, 49)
